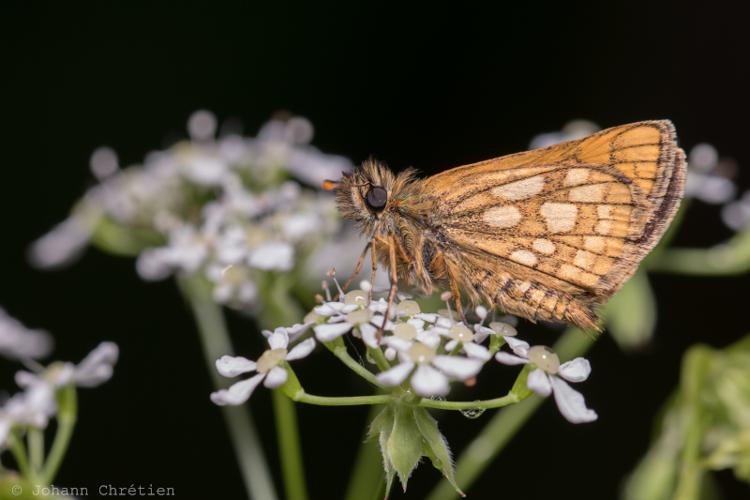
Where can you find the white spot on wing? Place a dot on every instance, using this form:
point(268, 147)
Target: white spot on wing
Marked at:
point(590, 193)
point(524, 257)
point(519, 190)
point(502, 216)
point(576, 176)
point(544, 246)
point(560, 217)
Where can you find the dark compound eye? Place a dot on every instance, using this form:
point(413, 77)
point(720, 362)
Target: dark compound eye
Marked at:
point(376, 198)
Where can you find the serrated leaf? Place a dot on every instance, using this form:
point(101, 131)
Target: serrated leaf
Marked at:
point(381, 426)
point(520, 388)
point(404, 446)
point(435, 446)
point(631, 313)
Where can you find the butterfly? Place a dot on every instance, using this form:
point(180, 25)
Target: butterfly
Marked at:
point(548, 234)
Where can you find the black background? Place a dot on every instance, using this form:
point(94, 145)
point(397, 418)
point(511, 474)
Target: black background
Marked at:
point(429, 86)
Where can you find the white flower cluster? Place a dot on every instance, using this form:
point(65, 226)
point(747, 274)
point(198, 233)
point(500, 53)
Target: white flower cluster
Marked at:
point(228, 207)
point(423, 352)
point(36, 403)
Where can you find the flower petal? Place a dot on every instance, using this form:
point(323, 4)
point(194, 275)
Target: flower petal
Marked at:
point(397, 343)
point(276, 377)
point(395, 375)
point(538, 381)
point(477, 351)
point(237, 393)
point(457, 367)
point(429, 338)
point(96, 367)
point(428, 381)
point(575, 370)
point(507, 358)
point(571, 403)
point(329, 331)
point(519, 347)
point(369, 335)
point(481, 332)
point(301, 350)
point(450, 345)
point(231, 366)
point(279, 339)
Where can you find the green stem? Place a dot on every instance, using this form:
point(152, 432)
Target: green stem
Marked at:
point(379, 358)
point(367, 473)
point(694, 372)
point(338, 348)
point(376, 399)
point(503, 426)
point(289, 442)
point(216, 342)
point(66, 420)
point(35, 444)
point(486, 404)
point(279, 308)
point(19, 453)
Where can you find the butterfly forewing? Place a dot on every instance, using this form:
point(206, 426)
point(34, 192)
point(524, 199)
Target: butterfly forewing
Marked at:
point(551, 233)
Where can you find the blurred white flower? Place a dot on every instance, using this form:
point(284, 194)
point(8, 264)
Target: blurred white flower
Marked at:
point(549, 377)
point(736, 215)
point(575, 129)
point(267, 368)
point(19, 342)
point(709, 177)
point(208, 203)
point(37, 403)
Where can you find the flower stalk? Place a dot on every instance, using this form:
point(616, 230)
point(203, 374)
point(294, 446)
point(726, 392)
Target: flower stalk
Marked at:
point(215, 339)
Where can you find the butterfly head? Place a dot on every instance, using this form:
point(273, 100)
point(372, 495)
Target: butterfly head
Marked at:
point(372, 195)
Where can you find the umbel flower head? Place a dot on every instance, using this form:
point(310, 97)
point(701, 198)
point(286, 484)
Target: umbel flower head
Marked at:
point(228, 208)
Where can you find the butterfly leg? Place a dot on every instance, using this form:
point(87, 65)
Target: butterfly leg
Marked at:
point(457, 300)
point(357, 268)
point(394, 284)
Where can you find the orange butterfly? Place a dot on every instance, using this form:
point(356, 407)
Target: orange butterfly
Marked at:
point(547, 234)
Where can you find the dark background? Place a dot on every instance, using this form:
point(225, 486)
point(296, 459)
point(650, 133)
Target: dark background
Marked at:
point(427, 86)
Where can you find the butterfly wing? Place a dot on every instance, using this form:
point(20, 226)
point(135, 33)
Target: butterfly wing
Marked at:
point(553, 232)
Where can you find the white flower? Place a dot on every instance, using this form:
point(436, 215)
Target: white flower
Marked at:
point(433, 371)
point(708, 176)
point(272, 256)
point(19, 342)
point(463, 337)
point(736, 215)
point(37, 403)
point(547, 377)
point(266, 367)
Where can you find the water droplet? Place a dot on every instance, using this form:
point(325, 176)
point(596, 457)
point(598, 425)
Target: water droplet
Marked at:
point(473, 413)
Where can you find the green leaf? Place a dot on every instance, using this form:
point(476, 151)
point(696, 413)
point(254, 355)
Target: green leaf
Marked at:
point(404, 445)
point(520, 388)
point(435, 446)
point(381, 426)
point(631, 313)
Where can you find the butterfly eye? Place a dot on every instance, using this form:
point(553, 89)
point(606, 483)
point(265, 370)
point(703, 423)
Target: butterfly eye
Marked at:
point(376, 198)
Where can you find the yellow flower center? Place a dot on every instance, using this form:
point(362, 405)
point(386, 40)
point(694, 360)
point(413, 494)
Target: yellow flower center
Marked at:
point(270, 360)
point(544, 358)
point(420, 353)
